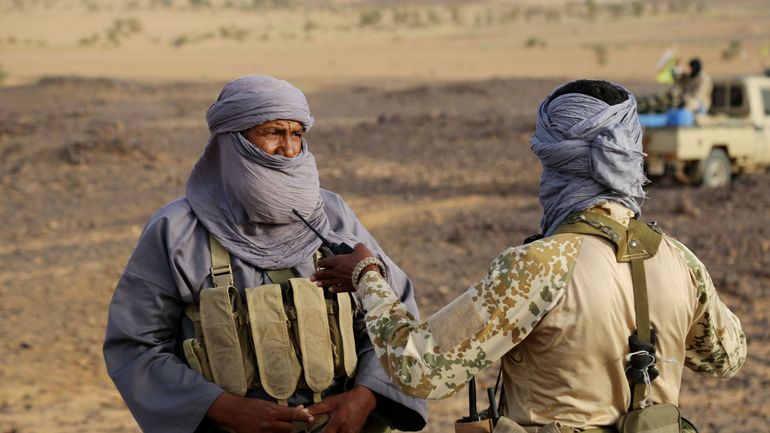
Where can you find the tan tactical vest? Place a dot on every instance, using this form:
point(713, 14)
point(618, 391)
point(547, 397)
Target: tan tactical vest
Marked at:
point(287, 335)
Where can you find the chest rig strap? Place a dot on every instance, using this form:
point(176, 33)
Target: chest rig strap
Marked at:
point(633, 244)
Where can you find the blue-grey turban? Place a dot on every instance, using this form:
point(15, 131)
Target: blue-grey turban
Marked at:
point(244, 196)
point(591, 152)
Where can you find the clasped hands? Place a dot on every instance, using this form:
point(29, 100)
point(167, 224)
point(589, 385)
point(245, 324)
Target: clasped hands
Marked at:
point(347, 413)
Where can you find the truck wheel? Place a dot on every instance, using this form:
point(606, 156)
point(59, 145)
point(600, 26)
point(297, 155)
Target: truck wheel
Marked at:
point(715, 170)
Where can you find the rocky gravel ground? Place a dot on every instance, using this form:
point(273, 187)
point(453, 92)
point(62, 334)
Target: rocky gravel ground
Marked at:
point(441, 173)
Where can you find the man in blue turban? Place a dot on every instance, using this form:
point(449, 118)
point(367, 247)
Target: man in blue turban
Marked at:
point(255, 169)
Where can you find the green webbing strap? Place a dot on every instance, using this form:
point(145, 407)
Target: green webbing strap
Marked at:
point(221, 271)
point(633, 244)
point(280, 276)
point(643, 325)
point(194, 314)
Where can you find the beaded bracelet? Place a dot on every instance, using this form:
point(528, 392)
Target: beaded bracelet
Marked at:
point(364, 263)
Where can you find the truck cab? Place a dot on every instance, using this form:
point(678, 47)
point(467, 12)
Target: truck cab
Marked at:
point(732, 138)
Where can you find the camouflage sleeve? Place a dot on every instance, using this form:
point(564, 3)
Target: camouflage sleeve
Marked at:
point(716, 344)
point(435, 358)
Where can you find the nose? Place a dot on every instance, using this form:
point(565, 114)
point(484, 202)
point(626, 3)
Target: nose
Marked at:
point(286, 147)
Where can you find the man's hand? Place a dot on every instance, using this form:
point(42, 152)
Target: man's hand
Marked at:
point(250, 415)
point(348, 410)
point(336, 270)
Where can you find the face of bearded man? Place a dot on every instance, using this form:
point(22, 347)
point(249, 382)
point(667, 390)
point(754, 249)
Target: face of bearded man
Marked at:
point(277, 137)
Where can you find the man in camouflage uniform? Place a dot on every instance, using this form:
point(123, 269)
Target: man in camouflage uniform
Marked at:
point(559, 310)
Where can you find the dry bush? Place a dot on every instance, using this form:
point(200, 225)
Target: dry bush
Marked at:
point(535, 42)
point(369, 18)
point(601, 52)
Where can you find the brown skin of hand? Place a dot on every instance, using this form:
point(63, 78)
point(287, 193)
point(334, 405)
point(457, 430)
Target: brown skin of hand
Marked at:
point(348, 411)
point(338, 269)
point(250, 415)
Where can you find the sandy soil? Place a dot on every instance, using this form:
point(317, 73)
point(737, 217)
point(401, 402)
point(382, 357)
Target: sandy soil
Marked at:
point(441, 174)
point(358, 41)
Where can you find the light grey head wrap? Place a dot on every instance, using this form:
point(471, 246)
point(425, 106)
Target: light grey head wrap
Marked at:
point(591, 152)
point(244, 196)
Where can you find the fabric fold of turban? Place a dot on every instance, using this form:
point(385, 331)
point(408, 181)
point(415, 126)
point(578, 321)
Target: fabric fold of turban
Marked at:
point(590, 152)
point(244, 196)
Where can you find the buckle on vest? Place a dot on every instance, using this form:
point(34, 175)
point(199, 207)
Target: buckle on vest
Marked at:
point(221, 270)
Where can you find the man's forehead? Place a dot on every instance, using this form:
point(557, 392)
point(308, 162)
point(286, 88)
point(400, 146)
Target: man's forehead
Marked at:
point(282, 123)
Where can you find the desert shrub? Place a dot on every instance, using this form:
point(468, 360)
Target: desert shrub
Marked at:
point(370, 17)
point(200, 3)
point(733, 50)
point(591, 9)
point(233, 32)
point(161, 3)
point(121, 28)
point(180, 40)
point(433, 17)
point(455, 14)
point(277, 4)
point(509, 14)
point(89, 40)
point(406, 17)
point(617, 10)
point(311, 25)
point(400, 16)
point(601, 53)
point(534, 42)
point(3, 74)
point(128, 26)
point(637, 8)
point(552, 15)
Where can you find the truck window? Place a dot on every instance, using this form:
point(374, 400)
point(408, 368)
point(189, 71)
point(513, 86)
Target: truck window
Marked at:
point(719, 96)
point(766, 101)
point(736, 96)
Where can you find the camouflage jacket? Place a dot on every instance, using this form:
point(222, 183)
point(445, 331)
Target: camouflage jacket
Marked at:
point(558, 312)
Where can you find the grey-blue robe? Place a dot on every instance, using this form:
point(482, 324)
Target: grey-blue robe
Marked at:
point(146, 326)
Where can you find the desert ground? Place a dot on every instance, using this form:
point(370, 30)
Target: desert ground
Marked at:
point(422, 128)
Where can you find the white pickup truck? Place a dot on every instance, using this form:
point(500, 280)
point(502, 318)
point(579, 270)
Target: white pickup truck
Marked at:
point(733, 138)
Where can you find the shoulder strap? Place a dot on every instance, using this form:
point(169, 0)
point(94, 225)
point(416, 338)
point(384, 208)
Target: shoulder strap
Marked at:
point(634, 244)
point(280, 276)
point(221, 271)
point(638, 240)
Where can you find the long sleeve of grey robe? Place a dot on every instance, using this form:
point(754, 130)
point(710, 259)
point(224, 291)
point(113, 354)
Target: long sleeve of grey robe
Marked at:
point(166, 271)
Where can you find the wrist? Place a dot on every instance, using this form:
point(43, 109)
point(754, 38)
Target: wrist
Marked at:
point(368, 268)
point(368, 398)
point(366, 264)
point(220, 410)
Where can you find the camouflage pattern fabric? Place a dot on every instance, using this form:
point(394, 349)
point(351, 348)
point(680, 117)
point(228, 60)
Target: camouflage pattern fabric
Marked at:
point(716, 344)
point(521, 286)
point(435, 358)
